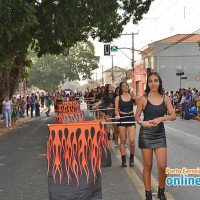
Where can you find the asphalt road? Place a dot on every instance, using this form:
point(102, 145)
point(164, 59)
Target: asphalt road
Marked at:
point(183, 142)
point(23, 163)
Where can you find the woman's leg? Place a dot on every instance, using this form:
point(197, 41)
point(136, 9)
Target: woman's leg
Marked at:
point(161, 158)
point(116, 133)
point(131, 135)
point(9, 117)
point(108, 125)
point(147, 155)
point(122, 132)
point(6, 117)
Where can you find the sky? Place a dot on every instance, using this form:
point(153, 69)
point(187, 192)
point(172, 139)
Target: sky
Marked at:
point(165, 18)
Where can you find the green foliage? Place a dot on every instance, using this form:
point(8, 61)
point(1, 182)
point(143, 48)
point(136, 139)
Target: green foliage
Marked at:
point(51, 26)
point(50, 70)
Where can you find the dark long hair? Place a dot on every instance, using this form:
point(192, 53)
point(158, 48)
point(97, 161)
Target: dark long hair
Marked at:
point(160, 89)
point(120, 88)
point(106, 97)
point(115, 95)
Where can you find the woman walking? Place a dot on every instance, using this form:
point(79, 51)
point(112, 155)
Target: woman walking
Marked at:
point(97, 98)
point(116, 129)
point(7, 110)
point(37, 106)
point(124, 113)
point(107, 101)
point(27, 105)
point(152, 137)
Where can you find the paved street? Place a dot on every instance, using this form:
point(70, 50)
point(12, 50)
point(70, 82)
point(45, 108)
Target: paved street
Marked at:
point(23, 164)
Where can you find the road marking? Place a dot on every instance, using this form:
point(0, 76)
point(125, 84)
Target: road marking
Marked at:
point(183, 133)
point(131, 173)
point(154, 181)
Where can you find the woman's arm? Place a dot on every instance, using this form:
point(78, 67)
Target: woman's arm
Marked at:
point(140, 107)
point(2, 108)
point(117, 108)
point(97, 104)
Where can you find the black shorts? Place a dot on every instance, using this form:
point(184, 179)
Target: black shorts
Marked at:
point(129, 118)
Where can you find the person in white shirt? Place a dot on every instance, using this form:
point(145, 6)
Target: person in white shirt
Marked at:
point(7, 110)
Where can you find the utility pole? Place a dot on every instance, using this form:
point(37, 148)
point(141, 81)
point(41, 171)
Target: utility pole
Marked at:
point(133, 59)
point(112, 71)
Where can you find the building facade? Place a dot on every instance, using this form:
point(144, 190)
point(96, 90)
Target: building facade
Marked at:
point(115, 76)
point(179, 53)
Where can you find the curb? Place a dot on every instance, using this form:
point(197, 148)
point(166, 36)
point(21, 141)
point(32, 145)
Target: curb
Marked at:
point(196, 118)
point(15, 125)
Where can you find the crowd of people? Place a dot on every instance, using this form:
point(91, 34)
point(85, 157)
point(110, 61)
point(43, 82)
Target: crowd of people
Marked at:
point(30, 105)
point(186, 102)
point(117, 105)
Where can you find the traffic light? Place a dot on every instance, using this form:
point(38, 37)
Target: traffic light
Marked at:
point(113, 48)
point(106, 49)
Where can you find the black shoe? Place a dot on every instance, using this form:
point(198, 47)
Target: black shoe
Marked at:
point(148, 195)
point(124, 161)
point(131, 163)
point(161, 194)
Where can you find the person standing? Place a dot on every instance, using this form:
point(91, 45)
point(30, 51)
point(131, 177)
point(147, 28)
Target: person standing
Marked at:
point(116, 129)
point(50, 102)
point(197, 99)
point(42, 100)
point(107, 101)
point(14, 112)
point(32, 104)
point(124, 113)
point(7, 110)
point(152, 136)
point(37, 107)
point(188, 100)
point(182, 104)
point(27, 105)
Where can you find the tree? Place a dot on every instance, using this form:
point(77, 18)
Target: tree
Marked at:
point(50, 70)
point(51, 26)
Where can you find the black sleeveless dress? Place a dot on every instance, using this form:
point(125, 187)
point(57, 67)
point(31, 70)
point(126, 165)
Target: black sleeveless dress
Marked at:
point(154, 137)
point(126, 107)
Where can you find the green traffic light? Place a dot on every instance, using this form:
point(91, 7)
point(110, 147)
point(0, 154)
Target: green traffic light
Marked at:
point(113, 48)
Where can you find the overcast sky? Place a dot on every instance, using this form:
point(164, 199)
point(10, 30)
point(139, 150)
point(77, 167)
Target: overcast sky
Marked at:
point(164, 19)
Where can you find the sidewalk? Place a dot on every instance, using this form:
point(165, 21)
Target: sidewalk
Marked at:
point(20, 120)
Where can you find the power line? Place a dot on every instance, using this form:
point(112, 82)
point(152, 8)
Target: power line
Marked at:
point(177, 42)
point(177, 12)
point(163, 13)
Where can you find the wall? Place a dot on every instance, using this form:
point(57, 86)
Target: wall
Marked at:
point(183, 56)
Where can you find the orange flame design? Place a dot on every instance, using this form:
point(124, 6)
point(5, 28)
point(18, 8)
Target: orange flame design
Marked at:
point(67, 108)
point(78, 143)
point(70, 117)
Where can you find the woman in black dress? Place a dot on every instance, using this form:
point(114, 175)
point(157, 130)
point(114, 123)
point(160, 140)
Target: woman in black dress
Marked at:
point(152, 137)
point(97, 98)
point(124, 113)
point(107, 101)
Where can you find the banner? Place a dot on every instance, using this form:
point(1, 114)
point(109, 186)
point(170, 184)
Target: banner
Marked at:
point(72, 103)
point(74, 160)
point(70, 117)
point(68, 108)
point(106, 160)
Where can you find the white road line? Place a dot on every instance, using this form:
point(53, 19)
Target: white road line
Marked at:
point(183, 133)
point(154, 181)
